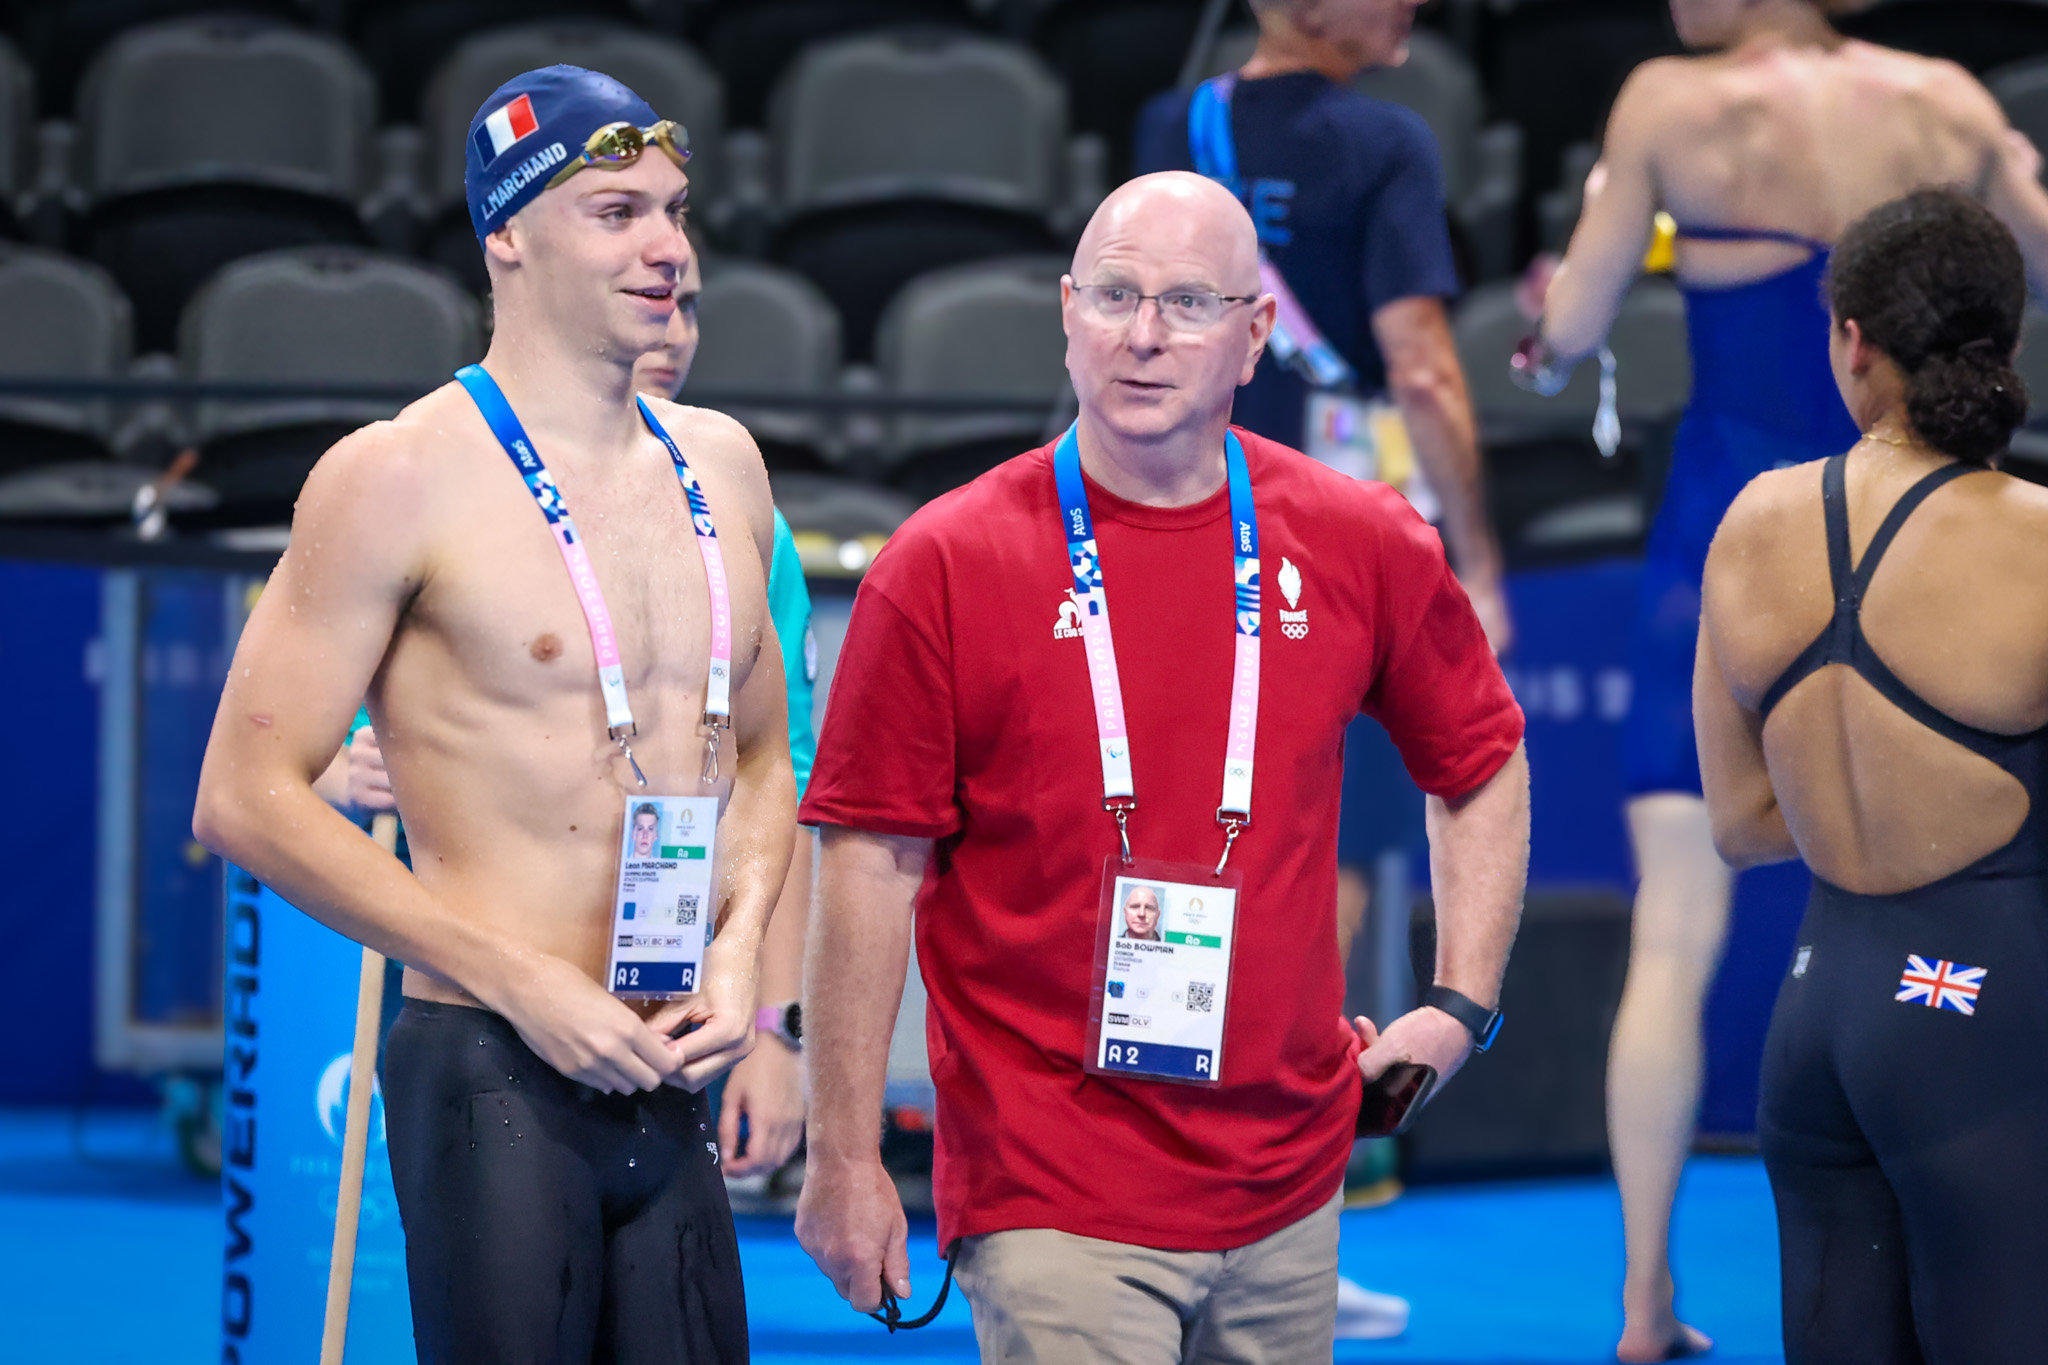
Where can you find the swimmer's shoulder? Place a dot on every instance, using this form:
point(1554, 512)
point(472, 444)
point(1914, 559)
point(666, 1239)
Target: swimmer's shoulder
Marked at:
point(1665, 96)
point(2006, 521)
point(1951, 94)
point(389, 498)
point(1778, 507)
point(404, 461)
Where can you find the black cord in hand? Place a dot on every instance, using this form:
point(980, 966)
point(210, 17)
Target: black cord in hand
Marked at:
point(891, 1315)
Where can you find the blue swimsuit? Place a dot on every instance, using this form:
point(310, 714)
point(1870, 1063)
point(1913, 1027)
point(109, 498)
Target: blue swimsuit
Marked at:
point(1763, 397)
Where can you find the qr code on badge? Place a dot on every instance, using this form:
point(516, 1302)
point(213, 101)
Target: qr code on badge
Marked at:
point(1201, 996)
point(686, 909)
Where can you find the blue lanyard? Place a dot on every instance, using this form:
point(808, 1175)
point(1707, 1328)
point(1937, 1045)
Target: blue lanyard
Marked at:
point(1119, 796)
point(611, 673)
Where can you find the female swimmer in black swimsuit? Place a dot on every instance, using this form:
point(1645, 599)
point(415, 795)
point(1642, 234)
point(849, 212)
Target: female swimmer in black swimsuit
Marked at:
point(1871, 695)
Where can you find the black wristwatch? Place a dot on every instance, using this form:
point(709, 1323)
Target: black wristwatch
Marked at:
point(1482, 1023)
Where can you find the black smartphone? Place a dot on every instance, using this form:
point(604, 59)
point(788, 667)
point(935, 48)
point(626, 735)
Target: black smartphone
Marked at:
point(1391, 1102)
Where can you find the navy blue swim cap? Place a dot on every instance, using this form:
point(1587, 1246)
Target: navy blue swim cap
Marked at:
point(531, 127)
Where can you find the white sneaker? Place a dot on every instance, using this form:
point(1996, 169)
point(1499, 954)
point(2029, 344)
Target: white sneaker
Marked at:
point(1363, 1315)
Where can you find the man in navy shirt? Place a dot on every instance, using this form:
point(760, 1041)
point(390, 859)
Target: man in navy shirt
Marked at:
point(1347, 193)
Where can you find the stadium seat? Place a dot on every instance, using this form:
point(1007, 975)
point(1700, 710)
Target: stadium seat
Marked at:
point(1980, 34)
point(990, 329)
point(59, 318)
point(668, 75)
point(205, 140)
point(2022, 91)
point(1653, 367)
point(61, 37)
point(1113, 55)
point(17, 135)
point(1482, 165)
point(905, 152)
point(763, 329)
point(837, 524)
point(318, 315)
point(1558, 210)
point(1551, 493)
point(405, 41)
point(1556, 66)
point(2032, 365)
point(753, 42)
point(2028, 457)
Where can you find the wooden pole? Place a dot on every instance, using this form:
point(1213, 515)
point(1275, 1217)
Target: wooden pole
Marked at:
point(355, 1142)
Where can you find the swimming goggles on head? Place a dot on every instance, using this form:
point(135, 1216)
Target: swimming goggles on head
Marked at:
point(618, 145)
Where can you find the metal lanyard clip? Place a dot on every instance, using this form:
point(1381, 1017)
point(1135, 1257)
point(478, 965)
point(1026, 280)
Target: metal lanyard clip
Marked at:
point(1233, 825)
point(619, 734)
point(717, 724)
point(1121, 807)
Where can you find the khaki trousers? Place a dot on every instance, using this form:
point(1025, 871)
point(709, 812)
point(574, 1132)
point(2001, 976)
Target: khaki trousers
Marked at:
point(1042, 1297)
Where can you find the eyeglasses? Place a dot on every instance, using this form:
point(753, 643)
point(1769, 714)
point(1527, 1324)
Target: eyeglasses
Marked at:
point(1182, 310)
point(620, 144)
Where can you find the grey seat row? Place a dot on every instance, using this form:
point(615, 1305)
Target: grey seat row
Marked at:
point(888, 154)
point(337, 317)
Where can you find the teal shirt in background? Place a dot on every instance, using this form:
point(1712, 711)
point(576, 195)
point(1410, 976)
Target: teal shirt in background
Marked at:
point(789, 604)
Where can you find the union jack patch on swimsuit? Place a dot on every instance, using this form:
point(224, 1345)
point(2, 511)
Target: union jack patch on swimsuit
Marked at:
point(1940, 985)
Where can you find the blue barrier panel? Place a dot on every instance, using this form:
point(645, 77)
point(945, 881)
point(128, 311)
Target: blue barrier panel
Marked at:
point(291, 993)
point(50, 625)
point(1569, 670)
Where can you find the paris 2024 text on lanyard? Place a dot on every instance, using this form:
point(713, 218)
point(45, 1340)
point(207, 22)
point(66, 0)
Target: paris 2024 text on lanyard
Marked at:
point(1166, 932)
point(662, 909)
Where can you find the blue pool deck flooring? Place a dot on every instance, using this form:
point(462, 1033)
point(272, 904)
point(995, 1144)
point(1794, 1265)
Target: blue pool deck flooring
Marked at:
point(109, 1254)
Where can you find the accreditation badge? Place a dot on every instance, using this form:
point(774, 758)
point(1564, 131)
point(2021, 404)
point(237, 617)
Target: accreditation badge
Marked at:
point(663, 910)
point(1165, 938)
point(1366, 439)
point(1339, 430)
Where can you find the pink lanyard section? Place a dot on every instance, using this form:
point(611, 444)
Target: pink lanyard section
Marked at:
point(1112, 731)
point(604, 643)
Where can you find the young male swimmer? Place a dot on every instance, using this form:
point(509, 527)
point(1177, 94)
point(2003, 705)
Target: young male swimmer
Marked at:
point(549, 1143)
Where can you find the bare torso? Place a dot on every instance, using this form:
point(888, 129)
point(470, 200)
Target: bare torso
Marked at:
point(1804, 139)
point(487, 704)
point(1799, 137)
point(1877, 802)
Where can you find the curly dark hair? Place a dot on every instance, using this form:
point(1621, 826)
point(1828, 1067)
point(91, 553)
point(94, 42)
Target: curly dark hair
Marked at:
point(1937, 283)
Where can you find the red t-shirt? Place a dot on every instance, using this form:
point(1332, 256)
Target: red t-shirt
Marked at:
point(960, 712)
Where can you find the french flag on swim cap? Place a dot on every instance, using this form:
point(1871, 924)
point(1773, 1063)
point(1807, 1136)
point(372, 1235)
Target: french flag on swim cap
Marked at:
point(505, 127)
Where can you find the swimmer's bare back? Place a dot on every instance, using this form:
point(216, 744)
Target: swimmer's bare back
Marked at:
point(1874, 800)
point(1805, 139)
point(421, 574)
point(1787, 135)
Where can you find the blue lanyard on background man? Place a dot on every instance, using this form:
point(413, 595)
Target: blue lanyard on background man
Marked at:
point(1297, 341)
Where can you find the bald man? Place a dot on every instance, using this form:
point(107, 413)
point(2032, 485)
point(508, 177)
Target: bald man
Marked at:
point(1140, 1145)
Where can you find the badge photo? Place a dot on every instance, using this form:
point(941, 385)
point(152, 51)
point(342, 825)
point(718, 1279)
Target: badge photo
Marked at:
point(1166, 934)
